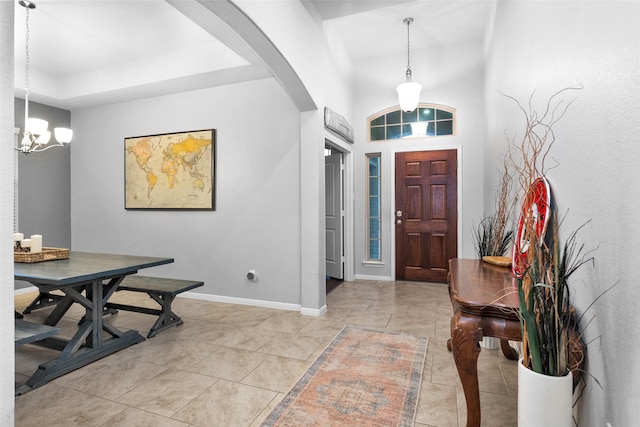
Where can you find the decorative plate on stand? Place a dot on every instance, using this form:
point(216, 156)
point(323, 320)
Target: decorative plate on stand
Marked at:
point(536, 207)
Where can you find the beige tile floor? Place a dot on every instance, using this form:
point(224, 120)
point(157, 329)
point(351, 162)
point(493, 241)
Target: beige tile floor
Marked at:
point(229, 365)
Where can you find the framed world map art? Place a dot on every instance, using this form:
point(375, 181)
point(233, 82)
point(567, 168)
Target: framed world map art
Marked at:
point(170, 171)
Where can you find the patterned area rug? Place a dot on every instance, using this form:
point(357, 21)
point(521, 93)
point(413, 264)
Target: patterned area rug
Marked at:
point(363, 378)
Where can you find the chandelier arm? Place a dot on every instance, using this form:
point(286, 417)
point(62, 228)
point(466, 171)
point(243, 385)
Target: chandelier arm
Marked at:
point(41, 148)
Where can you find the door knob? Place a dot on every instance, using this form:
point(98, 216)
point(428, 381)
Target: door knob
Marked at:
point(399, 221)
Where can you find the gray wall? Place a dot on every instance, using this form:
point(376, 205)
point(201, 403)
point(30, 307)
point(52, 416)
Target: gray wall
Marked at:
point(256, 224)
point(44, 182)
point(546, 46)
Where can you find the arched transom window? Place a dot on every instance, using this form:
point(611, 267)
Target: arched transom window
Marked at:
point(425, 121)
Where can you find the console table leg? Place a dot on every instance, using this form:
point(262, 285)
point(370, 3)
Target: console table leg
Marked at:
point(466, 334)
point(508, 351)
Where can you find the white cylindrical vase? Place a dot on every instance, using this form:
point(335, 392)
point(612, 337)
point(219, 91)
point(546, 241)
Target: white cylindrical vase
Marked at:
point(544, 400)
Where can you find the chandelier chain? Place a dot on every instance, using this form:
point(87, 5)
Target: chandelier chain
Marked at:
point(26, 53)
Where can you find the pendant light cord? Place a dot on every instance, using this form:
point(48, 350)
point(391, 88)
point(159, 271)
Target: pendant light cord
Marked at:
point(26, 53)
point(408, 22)
point(26, 70)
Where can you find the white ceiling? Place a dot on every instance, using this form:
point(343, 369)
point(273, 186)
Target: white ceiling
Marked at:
point(87, 52)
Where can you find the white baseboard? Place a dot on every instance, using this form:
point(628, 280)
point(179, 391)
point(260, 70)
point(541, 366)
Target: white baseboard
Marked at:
point(256, 303)
point(241, 301)
point(228, 300)
point(313, 311)
point(378, 278)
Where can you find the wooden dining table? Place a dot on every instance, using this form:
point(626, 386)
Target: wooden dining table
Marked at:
point(88, 279)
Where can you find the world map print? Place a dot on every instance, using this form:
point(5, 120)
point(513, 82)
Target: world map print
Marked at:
point(170, 171)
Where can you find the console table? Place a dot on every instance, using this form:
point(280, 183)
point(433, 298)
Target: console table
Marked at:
point(485, 304)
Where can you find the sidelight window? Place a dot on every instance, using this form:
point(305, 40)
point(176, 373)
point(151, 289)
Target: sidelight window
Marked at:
point(373, 207)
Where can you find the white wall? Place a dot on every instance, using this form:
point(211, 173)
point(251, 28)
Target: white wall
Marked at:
point(546, 46)
point(256, 224)
point(451, 77)
point(7, 390)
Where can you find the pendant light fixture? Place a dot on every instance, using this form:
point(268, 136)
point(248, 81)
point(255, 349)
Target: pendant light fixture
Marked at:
point(409, 91)
point(36, 133)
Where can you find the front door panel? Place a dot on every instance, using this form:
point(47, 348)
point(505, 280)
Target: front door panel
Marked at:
point(426, 214)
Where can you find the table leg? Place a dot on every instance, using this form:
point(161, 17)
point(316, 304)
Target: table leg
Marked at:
point(466, 334)
point(89, 343)
point(508, 351)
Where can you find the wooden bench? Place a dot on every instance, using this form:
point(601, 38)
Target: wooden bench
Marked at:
point(161, 290)
point(28, 332)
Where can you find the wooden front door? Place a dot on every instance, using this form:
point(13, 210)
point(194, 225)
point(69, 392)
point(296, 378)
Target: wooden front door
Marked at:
point(426, 214)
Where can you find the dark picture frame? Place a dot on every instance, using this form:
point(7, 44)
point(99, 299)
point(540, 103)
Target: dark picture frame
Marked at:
point(170, 171)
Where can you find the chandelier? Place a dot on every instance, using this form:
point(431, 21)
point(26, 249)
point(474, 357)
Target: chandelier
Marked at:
point(409, 91)
point(37, 136)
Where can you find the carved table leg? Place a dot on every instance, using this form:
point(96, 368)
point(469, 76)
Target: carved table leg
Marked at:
point(466, 334)
point(508, 351)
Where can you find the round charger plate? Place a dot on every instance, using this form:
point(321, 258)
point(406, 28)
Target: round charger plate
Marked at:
point(501, 261)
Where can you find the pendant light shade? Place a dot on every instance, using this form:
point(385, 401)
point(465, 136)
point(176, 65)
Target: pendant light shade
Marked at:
point(409, 95)
point(408, 92)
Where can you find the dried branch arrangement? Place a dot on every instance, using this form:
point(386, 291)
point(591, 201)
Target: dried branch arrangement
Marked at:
point(528, 157)
point(552, 343)
point(494, 234)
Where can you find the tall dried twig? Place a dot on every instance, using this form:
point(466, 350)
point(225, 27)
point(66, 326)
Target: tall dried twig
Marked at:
point(528, 156)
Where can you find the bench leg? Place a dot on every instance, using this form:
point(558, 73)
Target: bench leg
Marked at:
point(44, 299)
point(167, 318)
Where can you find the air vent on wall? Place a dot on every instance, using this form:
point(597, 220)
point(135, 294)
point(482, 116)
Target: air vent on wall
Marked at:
point(338, 124)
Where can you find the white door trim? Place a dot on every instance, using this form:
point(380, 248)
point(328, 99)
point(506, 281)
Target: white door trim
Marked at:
point(349, 203)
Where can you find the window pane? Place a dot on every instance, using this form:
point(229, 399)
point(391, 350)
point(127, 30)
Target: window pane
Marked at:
point(426, 114)
point(393, 132)
point(374, 186)
point(410, 117)
point(374, 166)
point(441, 114)
point(378, 122)
point(445, 128)
point(374, 228)
point(377, 134)
point(393, 117)
point(431, 129)
point(424, 121)
point(374, 249)
point(374, 207)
